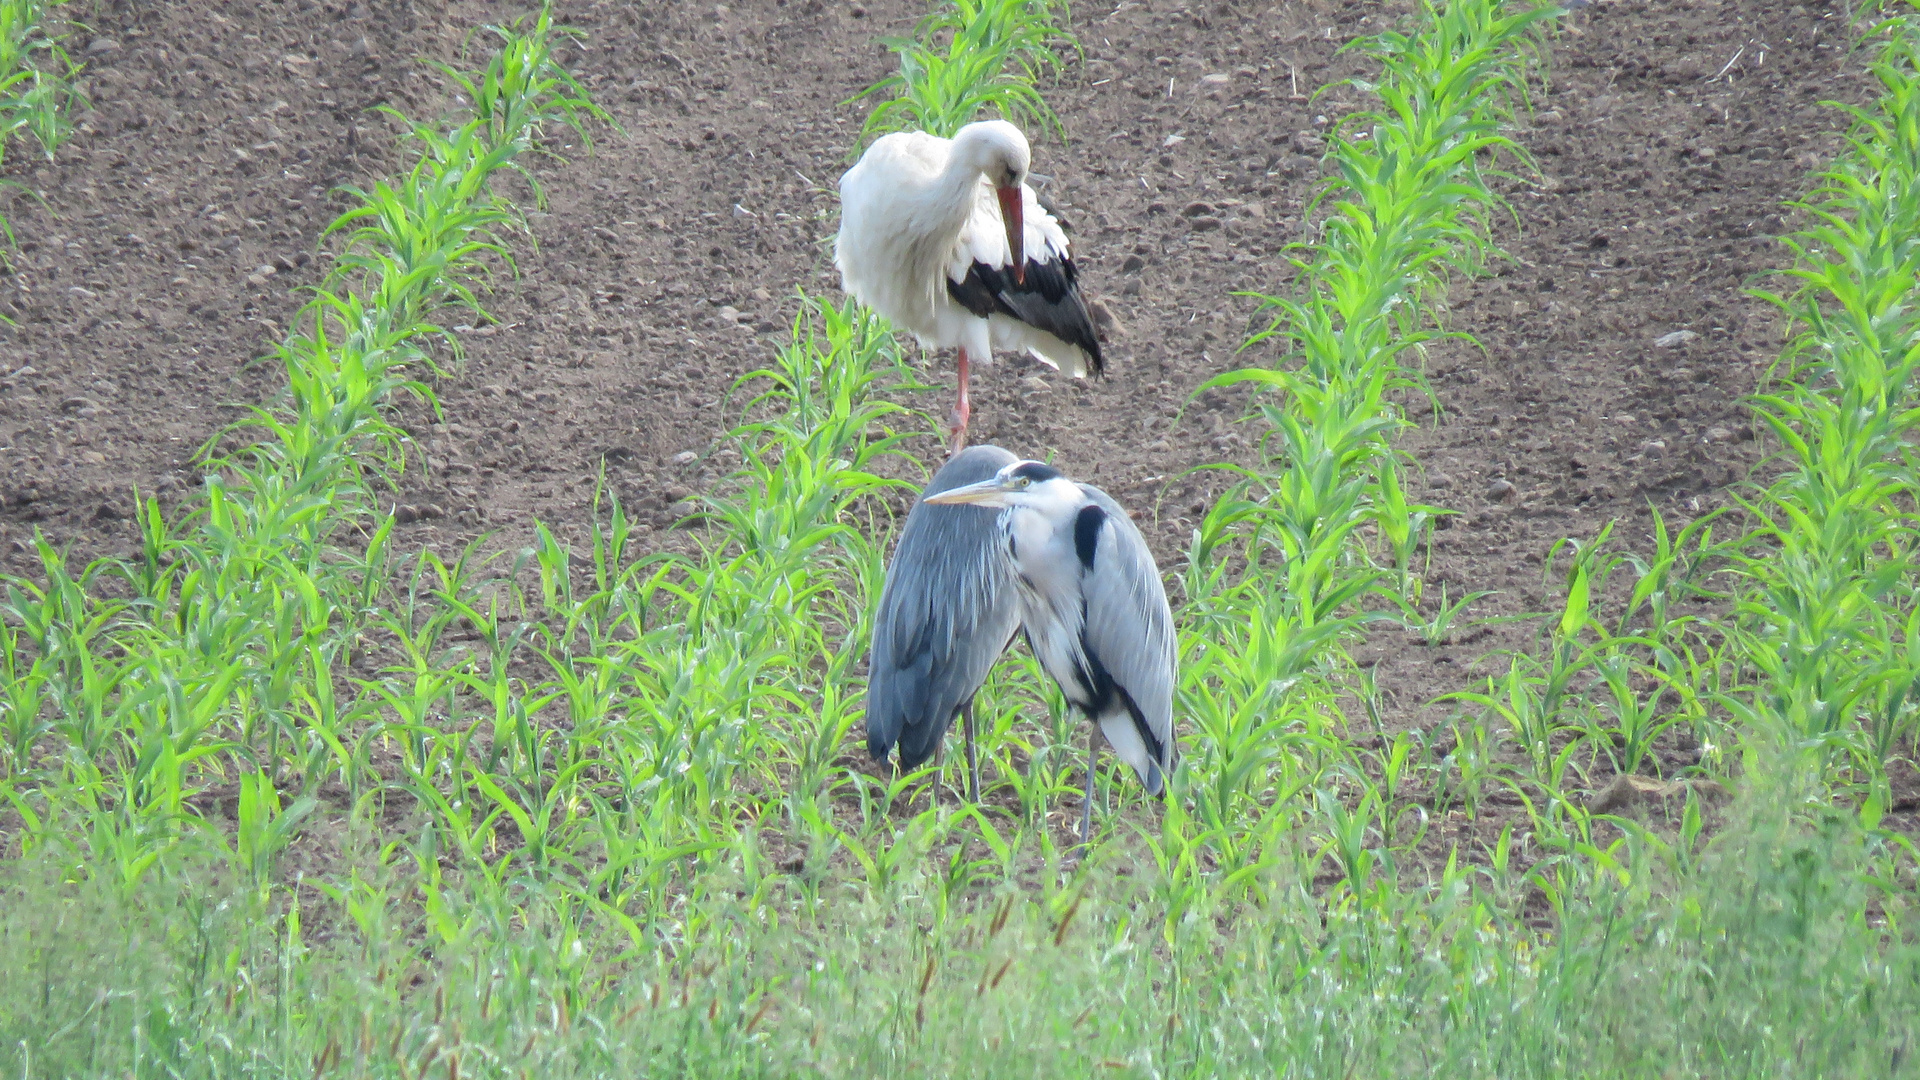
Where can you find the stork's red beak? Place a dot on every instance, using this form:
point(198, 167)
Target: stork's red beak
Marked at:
point(1012, 203)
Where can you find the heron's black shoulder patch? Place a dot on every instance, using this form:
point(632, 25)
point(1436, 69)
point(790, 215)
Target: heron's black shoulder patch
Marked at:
point(1086, 533)
point(1037, 471)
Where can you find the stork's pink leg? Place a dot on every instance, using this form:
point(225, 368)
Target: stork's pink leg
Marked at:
point(957, 421)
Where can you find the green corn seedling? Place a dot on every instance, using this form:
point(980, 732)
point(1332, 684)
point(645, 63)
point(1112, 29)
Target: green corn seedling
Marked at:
point(994, 53)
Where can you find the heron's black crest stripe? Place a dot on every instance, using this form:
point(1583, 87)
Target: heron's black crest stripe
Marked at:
point(1086, 532)
point(1049, 299)
point(1038, 471)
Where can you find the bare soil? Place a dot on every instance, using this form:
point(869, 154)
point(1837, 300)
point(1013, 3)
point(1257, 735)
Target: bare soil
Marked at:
point(181, 221)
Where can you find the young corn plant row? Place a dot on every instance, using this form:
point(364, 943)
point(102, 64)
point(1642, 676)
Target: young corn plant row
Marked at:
point(994, 54)
point(131, 687)
point(1329, 541)
point(1287, 569)
point(37, 94)
point(1828, 627)
point(964, 58)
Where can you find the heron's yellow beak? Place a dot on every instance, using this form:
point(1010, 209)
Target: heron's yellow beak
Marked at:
point(989, 492)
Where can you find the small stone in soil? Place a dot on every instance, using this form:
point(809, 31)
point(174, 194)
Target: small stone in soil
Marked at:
point(1500, 491)
point(1103, 321)
point(1674, 340)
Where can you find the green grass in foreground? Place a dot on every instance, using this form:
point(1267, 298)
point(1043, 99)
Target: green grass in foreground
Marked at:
point(1771, 961)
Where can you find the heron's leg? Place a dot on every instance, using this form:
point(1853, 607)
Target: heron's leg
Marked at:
point(973, 755)
point(939, 774)
point(1086, 805)
point(963, 411)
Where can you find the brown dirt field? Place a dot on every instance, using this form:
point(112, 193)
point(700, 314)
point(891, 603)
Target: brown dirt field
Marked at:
point(1668, 135)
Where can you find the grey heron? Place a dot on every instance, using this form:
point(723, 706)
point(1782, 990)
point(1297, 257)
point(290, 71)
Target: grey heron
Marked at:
point(947, 612)
point(945, 239)
point(1093, 608)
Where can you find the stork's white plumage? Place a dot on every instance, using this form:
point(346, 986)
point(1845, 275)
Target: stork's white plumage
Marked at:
point(945, 239)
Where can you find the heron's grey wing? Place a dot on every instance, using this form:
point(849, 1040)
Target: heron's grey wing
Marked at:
point(946, 614)
point(1129, 628)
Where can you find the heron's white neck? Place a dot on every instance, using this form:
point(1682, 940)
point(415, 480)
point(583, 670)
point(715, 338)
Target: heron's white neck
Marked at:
point(1043, 509)
point(1055, 500)
point(1038, 524)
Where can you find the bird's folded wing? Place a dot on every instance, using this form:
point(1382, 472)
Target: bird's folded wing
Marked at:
point(946, 614)
point(1129, 625)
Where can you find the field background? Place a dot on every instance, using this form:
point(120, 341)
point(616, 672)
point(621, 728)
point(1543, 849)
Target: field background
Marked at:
point(1663, 188)
point(1415, 906)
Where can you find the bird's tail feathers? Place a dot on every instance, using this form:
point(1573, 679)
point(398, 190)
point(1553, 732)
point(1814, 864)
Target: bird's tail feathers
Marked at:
point(1076, 363)
point(881, 735)
point(922, 740)
point(1124, 737)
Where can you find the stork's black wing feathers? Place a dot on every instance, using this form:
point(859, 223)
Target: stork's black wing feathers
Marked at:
point(975, 295)
point(946, 615)
point(1049, 299)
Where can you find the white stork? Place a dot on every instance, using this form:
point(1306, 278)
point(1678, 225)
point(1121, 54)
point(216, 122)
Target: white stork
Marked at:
point(944, 238)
